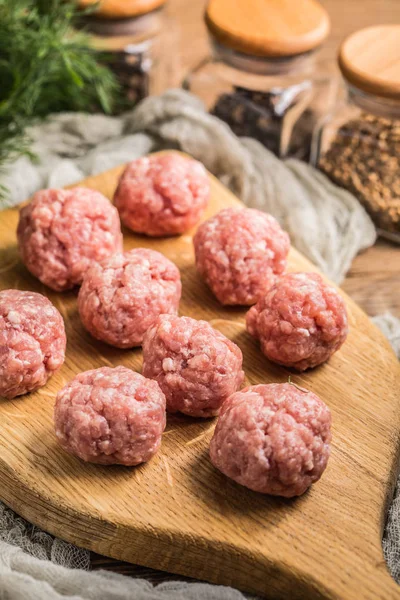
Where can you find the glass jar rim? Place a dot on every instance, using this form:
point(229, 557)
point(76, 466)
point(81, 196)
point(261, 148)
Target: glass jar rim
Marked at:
point(148, 25)
point(377, 105)
point(263, 65)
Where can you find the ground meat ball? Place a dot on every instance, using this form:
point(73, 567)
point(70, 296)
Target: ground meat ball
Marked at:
point(162, 195)
point(32, 342)
point(196, 366)
point(300, 322)
point(110, 416)
point(239, 252)
point(61, 232)
point(122, 296)
point(273, 439)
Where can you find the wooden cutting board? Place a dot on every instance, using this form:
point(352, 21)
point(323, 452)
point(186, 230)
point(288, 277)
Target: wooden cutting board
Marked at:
point(179, 514)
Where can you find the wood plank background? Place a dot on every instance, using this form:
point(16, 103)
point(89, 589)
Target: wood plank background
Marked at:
point(374, 280)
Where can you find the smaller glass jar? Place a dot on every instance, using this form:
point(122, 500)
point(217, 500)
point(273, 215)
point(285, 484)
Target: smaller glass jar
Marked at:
point(134, 34)
point(266, 83)
point(358, 145)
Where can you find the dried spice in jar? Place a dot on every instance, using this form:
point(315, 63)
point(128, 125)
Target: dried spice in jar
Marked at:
point(263, 80)
point(261, 115)
point(133, 35)
point(358, 146)
point(132, 65)
point(364, 159)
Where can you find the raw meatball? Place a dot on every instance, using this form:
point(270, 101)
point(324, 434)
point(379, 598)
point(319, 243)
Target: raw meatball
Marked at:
point(32, 342)
point(300, 322)
point(273, 439)
point(110, 416)
point(162, 195)
point(122, 296)
point(61, 232)
point(196, 366)
point(239, 252)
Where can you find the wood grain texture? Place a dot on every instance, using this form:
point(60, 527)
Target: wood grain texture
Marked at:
point(374, 279)
point(370, 60)
point(179, 514)
point(273, 28)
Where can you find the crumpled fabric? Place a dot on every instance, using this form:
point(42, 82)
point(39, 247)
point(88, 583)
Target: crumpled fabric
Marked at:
point(326, 223)
point(36, 566)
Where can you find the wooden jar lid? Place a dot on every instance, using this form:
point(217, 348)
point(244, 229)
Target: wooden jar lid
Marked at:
point(268, 28)
point(123, 9)
point(370, 60)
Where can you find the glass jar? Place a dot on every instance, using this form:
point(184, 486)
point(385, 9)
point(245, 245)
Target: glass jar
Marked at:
point(135, 37)
point(275, 96)
point(358, 145)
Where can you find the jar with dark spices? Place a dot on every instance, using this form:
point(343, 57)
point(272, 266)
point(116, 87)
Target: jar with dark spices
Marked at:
point(262, 76)
point(135, 35)
point(358, 144)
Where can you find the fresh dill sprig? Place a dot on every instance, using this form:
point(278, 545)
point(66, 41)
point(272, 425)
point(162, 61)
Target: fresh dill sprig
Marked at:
point(46, 66)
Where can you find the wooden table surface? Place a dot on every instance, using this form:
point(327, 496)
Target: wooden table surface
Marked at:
point(374, 279)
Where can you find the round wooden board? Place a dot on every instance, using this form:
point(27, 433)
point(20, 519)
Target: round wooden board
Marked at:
point(177, 513)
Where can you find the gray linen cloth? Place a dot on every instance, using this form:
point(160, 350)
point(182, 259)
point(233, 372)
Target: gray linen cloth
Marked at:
point(325, 223)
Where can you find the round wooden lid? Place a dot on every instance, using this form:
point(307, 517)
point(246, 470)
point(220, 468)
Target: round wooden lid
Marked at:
point(370, 60)
point(123, 9)
point(268, 28)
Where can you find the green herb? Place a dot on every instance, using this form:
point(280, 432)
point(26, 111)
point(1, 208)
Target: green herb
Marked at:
point(45, 66)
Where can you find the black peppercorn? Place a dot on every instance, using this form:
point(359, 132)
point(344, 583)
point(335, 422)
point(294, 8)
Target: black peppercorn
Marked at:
point(364, 158)
point(263, 116)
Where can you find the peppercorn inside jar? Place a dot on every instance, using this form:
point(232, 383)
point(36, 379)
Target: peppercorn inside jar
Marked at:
point(134, 35)
point(358, 145)
point(262, 76)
